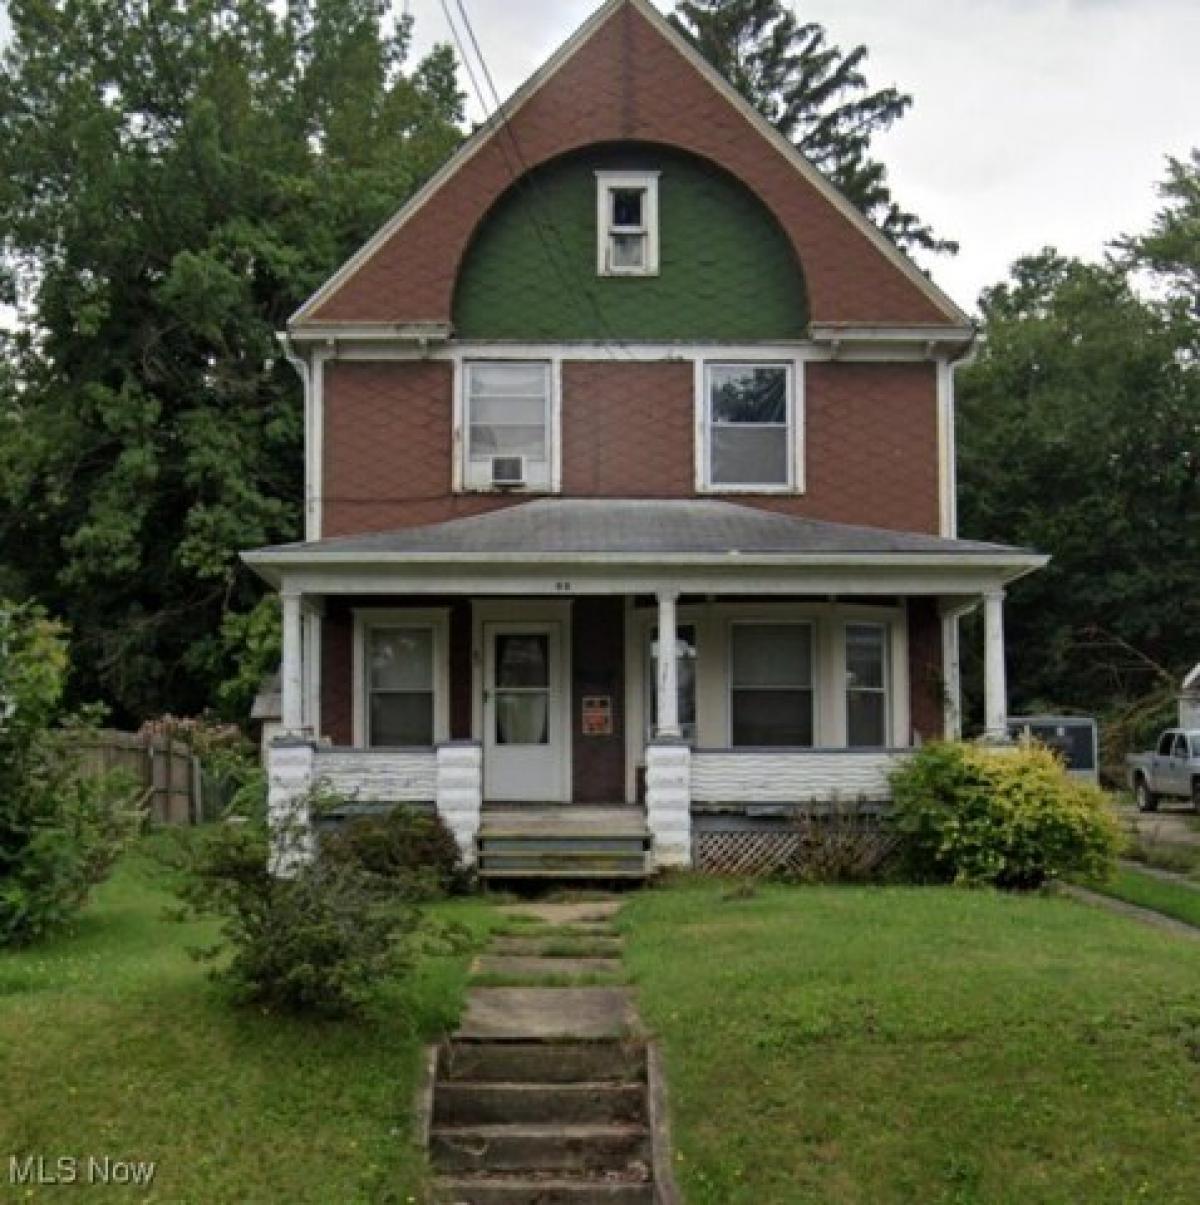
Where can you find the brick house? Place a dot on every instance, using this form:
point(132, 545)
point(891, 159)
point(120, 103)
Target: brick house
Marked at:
point(626, 375)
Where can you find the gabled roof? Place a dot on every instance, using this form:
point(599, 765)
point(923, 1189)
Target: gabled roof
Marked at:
point(626, 75)
point(703, 529)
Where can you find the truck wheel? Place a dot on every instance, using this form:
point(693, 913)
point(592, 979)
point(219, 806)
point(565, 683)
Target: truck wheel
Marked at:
point(1146, 799)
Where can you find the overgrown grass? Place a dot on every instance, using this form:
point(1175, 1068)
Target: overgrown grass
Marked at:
point(1172, 899)
point(882, 1045)
point(114, 1042)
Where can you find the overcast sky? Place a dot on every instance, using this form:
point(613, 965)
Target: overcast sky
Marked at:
point(1035, 121)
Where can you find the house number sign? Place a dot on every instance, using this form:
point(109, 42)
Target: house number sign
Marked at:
point(597, 715)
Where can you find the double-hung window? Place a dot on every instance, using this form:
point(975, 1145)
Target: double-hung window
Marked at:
point(507, 421)
point(866, 685)
point(749, 427)
point(627, 223)
point(771, 697)
point(400, 685)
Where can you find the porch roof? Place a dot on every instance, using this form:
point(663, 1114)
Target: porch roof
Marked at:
point(642, 532)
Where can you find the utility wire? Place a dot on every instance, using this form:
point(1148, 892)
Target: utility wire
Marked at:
point(525, 177)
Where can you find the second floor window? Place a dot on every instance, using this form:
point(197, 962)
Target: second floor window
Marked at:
point(749, 427)
point(507, 422)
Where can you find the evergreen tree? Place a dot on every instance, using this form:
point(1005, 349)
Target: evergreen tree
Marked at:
point(814, 94)
point(176, 176)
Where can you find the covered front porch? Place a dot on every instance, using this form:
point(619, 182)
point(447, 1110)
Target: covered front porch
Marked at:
point(512, 664)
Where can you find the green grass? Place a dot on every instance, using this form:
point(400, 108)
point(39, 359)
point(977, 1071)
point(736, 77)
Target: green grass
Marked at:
point(879, 1045)
point(114, 1042)
point(1172, 899)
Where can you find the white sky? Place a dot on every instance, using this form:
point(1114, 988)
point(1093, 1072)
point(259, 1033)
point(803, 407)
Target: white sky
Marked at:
point(1035, 122)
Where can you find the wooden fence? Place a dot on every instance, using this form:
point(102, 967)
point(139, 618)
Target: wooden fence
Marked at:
point(179, 789)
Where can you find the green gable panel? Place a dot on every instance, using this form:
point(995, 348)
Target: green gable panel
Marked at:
point(727, 271)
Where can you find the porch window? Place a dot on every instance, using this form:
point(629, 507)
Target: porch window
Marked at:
point(749, 427)
point(866, 685)
point(771, 684)
point(685, 660)
point(627, 223)
point(507, 416)
point(400, 686)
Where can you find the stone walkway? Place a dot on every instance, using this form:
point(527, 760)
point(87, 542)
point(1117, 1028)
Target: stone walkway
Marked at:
point(548, 1094)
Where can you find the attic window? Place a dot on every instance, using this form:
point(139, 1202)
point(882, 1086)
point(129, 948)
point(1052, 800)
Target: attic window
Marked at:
point(627, 223)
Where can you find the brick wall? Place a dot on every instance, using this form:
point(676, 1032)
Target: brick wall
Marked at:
point(925, 670)
point(598, 668)
point(870, 442)
point(629, 83)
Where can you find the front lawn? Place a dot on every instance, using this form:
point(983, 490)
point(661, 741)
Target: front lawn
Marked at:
point(1173, 899)
point(113, 1042)
point(920, 1045)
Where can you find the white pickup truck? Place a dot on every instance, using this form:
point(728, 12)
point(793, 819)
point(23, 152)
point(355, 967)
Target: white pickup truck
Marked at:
point(1172, 770)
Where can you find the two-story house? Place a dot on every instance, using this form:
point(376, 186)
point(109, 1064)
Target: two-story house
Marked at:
point(629, 481)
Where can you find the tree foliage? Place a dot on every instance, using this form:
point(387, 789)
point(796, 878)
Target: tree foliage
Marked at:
point(60, 829)
point(815, 94)
point(175, 178)
point(1079, 435)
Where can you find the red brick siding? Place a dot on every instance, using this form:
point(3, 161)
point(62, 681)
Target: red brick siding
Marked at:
point(388, 447)
point(925, 671)
point(870, 442)
point(628, 82)
point(598, 668)
point(627, 430)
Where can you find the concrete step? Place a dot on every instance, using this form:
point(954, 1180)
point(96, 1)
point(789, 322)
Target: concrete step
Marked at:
point(612, 1149)
point(533, 966)
point(571, 861)
point(538, 843)
point(474, 1102)
point(543, 1062)
point(544, 947)
point(582, 874)
point(519, 1190)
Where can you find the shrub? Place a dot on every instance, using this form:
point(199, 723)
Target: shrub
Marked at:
point(60, 828)
point(1011, 818)
point(843, 844)
point(413, 850)
point(322, 941)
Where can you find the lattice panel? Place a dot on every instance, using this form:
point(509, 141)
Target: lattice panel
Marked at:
point(747, 853)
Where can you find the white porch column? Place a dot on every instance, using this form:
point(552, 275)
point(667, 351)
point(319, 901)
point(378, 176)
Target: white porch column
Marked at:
point(669, 801)
point(668, 667)
point(292, 674)
point(995, 688)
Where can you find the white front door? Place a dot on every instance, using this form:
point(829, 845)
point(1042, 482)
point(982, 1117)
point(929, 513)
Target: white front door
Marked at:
point(524, 734)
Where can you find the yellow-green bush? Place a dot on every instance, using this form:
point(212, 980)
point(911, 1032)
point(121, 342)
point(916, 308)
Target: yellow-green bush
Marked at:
point(1006, 817)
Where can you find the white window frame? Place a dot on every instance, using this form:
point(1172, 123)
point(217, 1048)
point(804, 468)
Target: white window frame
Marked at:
point(814, 673)
point(606, 184)
point(794, 373)
point(463, 482)
point(885, 630)
point(367, 620)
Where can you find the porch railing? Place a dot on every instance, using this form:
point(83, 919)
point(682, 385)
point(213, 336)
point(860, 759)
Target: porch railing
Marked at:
point(795, 776)
point(378, 775)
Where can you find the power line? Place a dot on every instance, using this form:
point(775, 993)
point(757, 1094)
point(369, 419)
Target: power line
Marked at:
point(525, 177)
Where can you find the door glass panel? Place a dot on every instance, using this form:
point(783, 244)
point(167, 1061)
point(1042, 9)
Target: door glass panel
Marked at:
point(866, 719)
point(522, 659)
point(522, 718)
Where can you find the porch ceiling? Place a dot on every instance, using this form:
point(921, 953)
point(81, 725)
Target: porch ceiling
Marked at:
point(600, 537)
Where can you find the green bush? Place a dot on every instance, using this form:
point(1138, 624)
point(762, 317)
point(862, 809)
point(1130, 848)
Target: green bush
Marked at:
point(1011, 818)
point(413, 850)
point(60, 828)
point(321, 941)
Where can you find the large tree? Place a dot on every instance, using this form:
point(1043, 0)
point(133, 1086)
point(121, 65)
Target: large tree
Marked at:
point(1079, 435)
point(175, 177)
point(815, 94)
